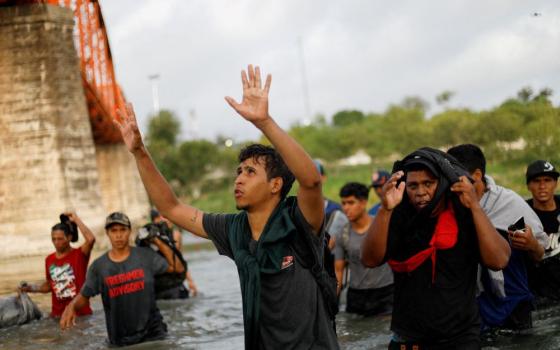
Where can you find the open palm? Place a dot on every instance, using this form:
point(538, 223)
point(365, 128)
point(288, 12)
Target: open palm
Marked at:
point(392, 193)
point(254, 105)
point(129, 129)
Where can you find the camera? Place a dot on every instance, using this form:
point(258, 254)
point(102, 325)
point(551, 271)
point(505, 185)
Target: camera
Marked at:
point(149, 231)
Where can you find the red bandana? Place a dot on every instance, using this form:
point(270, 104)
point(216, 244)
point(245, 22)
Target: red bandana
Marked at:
point(444, 237)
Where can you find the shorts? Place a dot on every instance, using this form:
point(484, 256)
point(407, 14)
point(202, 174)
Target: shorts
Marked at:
point(369, 302)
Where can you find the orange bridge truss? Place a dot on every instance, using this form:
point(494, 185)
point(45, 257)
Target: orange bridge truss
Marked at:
point(103, 94)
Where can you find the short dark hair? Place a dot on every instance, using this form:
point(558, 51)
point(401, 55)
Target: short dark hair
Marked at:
point(355, 189)
point(470, 156)
point(273, 164)
point(61, 227)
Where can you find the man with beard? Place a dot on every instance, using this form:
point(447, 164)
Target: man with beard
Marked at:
point(433, 233)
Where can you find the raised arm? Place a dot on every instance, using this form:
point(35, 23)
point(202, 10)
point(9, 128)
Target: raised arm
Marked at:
point(254, 108)
point(374, 246)
point(494, 249)
point(86, 232)
point(174, 262)
point(158, 189)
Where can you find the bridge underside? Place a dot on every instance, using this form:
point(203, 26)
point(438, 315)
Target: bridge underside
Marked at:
point(49, 161)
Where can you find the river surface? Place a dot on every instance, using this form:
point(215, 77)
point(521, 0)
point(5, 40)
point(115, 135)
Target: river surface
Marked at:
point(213, 319)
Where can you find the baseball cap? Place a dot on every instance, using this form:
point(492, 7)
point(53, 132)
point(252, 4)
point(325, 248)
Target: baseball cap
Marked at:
point(541, 167)
point(153, 213)
point(379, 177)
point(117, 218)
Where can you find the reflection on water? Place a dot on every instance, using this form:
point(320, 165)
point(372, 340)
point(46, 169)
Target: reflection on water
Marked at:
point(213, 320)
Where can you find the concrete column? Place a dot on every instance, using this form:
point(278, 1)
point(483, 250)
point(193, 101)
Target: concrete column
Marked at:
point(48, 160)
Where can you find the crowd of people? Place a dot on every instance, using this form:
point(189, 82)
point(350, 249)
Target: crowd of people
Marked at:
point(447, 253)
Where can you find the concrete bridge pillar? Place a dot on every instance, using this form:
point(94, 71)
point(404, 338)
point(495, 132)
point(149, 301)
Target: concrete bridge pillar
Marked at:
point(48, 159)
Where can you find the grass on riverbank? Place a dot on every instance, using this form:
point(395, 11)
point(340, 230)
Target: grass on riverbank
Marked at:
point(219, 198)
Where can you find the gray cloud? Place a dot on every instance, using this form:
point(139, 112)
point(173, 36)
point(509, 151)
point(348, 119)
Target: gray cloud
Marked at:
point(358, 54)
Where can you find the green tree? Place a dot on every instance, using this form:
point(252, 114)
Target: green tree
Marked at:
point(347, 117)
point(444, 97)
point(164, 127)
point(195, 159)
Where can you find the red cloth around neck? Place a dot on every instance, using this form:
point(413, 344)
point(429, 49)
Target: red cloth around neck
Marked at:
point(444, 237)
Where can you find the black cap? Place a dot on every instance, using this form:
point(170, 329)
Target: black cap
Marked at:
point(117, 218)
point(379, 177)
point(154, 213)
point(539, 168)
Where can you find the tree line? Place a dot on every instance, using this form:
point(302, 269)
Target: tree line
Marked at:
point(520, 129)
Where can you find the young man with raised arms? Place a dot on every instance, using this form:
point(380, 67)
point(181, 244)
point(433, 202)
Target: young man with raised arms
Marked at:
point(265, 237)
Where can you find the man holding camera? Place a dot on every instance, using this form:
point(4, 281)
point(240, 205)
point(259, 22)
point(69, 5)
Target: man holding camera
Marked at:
point(168, 285)
point(65, 269)
point(505, 300)
point(124, 276)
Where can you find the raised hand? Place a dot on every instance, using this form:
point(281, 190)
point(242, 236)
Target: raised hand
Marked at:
point(392, 194)
point(254, 105)
point(465, 190)
point(129, 129)
point(72, 216)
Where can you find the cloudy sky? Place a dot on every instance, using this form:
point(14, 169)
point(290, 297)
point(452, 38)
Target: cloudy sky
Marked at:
point(357, 54)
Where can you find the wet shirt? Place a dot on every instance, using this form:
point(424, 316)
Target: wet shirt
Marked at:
point(66, 277)
point(544, 277)
point(292, 311)
point(128, 295)
point(361, 277)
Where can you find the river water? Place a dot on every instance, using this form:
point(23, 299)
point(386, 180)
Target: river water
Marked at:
point(213, 319)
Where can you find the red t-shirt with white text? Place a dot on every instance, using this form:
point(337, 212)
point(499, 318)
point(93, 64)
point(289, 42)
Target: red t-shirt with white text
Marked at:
point(66, 277)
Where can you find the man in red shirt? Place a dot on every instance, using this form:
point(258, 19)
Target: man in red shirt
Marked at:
point(65, 269)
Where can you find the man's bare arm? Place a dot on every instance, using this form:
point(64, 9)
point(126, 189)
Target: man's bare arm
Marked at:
point(254, 108)
point(175, 264)
point(44, 287)
point(158, 189)
point(494, 249)
point(339, 266)
point(86, 232)
point(68, 318)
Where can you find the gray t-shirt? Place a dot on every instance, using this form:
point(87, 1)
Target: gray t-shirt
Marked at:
point(292, 309)
point(128, 295)
point(361, 277)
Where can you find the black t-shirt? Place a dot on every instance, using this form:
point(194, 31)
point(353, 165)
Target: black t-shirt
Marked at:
point(445, 310)
point(292, 309)
point(549, 218)
point(544, 277)
point(127, 292)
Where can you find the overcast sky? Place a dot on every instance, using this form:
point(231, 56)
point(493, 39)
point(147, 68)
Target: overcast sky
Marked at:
point(357, 54)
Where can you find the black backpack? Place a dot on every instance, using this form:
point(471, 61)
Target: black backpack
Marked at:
point(320, 263)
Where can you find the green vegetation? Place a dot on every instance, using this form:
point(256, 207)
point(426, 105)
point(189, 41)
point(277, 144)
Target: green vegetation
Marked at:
point(512, 134)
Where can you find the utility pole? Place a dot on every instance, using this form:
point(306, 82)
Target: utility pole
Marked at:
point(154, 79)
point(306, 104)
